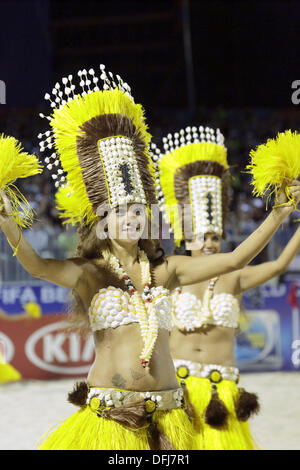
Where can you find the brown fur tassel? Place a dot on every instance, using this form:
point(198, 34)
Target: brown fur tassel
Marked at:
point(246, 405)
point(133, 415)
point(157, 440)
point(189, 409)
point(216, 412)
point(79, 394)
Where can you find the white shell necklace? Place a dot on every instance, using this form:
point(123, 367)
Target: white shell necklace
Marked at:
point(143, 304)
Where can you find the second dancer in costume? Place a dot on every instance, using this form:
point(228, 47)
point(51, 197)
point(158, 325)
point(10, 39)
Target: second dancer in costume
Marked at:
point(195, 176)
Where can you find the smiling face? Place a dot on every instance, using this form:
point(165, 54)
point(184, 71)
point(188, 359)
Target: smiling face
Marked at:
point(212, 243)
point(204, 246)
point(126, 223)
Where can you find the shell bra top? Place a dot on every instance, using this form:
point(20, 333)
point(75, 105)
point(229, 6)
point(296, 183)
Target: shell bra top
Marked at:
point(190, 313)
point(112, 307)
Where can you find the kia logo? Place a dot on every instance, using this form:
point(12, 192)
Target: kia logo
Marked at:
point(60, 347)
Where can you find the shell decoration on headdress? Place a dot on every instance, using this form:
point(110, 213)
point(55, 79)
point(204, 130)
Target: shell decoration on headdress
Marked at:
point(191, 172)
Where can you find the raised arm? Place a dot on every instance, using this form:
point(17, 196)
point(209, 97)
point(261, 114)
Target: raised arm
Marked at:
point(253, 276)
point(191, 270)
point(65, 273)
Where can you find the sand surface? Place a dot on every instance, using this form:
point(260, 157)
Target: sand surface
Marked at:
point(29, 409)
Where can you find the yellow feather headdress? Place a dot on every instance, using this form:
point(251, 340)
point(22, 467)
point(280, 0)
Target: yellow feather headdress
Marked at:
point(275, 161)
point(101, 146)
point(16, 163)
point(188, 161)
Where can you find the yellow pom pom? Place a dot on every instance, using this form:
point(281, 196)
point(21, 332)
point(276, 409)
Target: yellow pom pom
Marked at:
point(14, 164)
point(8, 374)
point(33, 309)
point(275, 161)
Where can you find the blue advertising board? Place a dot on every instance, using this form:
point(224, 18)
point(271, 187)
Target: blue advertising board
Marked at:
point(269, 336)
point(15, 297)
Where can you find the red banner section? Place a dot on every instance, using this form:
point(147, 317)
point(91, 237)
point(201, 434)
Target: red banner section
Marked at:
point(43, 349)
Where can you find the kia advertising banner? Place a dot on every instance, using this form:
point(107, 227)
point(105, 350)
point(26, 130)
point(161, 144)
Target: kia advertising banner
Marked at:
point(42, 349)
point(34, 338)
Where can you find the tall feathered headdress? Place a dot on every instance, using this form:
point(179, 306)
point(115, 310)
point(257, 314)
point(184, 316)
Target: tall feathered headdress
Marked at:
point(99, 146)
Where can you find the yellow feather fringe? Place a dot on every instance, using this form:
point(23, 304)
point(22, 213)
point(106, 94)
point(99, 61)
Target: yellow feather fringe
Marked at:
point(66, 123)
point(70, 207)
point(85, 431)
point(275, 161)
point(171, 162)
point(14, 164)
point(236, 435)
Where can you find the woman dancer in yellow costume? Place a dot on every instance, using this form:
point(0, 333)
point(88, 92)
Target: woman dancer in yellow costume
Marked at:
point(206, 314)
point(104, 178)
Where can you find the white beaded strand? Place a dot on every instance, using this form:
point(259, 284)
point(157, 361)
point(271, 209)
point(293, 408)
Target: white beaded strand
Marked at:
point(144, 307)
point(192, 135)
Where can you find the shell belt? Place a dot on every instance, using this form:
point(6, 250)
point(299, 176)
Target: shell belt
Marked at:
point(99, 399)
point(214, 372)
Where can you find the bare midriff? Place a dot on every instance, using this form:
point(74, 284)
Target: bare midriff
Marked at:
point(117, 363)
point(209, 345)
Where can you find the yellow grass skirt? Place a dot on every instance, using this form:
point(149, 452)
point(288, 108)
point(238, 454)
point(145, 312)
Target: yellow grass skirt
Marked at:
point(235, 435)
point(84, 430)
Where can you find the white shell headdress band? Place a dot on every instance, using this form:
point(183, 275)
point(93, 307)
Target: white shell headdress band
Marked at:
point(122, 175)
point(205, 193)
